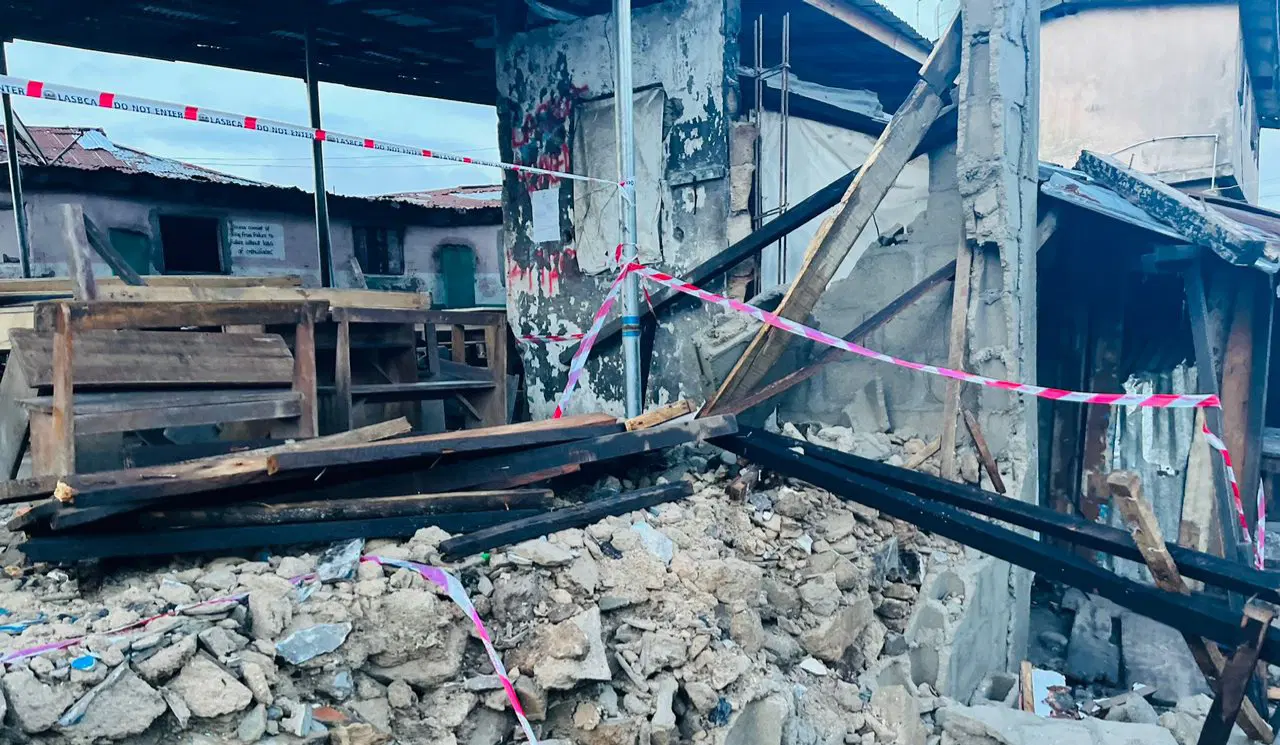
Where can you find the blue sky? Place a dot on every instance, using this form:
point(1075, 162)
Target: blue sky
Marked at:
point(466, 129)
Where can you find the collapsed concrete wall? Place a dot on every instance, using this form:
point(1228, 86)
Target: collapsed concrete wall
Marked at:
point(547, 79)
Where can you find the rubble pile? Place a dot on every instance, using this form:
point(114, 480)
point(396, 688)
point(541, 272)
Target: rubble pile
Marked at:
point(784, 617)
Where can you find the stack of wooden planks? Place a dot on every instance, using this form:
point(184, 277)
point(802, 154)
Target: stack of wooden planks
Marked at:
point(371, 482)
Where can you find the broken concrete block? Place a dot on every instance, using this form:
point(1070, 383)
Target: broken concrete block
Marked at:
point(1091, 655)
point(992, 725)
point(1156, 655)
point(35, 706)
point(836, 634)
point(868, 411)
point(208, 690)
point(900, 711)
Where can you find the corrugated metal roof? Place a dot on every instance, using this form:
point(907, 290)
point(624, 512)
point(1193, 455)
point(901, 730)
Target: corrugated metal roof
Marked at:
point(90, 149)
point(454, 198)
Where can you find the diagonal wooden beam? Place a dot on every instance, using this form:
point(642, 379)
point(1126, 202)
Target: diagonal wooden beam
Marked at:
point(835, 239)
point(1126, 488)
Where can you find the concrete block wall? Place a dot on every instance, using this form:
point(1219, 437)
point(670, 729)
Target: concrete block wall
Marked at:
point(913, 400)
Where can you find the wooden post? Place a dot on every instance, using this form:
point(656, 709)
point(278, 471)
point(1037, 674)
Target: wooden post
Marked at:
point(1106, 329)
point(1227, 705)
point(79, 261)
point(342, 377)
point(458, 344)
point(304, 374)
point(1126, 488)
point(62, 434)
point(957, 340)
point(493, 404)
point(984, 452)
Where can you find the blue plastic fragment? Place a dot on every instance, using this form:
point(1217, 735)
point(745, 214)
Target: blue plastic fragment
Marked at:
point(85, 663)
point(719, 716)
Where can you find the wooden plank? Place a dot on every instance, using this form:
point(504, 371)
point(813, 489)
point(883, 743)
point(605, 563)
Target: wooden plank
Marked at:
point(379, 315)
point(61, 455)
point(1256, 407)
point(660, 415)
point(526, 434)
point(957, 343)
point(557, 520)
point(337, 298)
point(62, 285)
point(1068, 527)
point(1237, 377)
point(1229, 539)
point(285, 406)
point(1126, 488)
point(984, 452)
point(1225, 237)
point(304, 376)
point(172, 474)
point(492, 403)
point(280, 513)
point(1201, 616)
point(1235, 677)
point(424, 390)
point(1106, 329)
point(159, 358)
point(357, 274)
point(1198, 497)
point(836, 237)
point(1026, 688)
point(871, 26)
point(101, 245)
point(79, 260)
point(342, 401)
point(12, 319)
point(458, 344)
point(69, 548)
point(126, 315)
point(122, 402)
point(13, 420)
point(877, 319)
point(919, 458)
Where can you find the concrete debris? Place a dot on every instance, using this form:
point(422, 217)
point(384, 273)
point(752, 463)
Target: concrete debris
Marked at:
point(311, 642)
point(760, 621)
point(994, 725)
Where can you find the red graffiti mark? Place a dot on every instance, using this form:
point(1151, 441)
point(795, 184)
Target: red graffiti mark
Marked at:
point(544, 276)
point(542, 138)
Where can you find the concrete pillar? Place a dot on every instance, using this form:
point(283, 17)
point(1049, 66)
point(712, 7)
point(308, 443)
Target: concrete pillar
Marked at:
point(996, 168)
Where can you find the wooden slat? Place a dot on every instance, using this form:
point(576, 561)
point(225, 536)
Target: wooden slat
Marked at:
point(1126, 488)
point(471, 440)
point(79, 258)
point(123, 402)
point(118, 418)
point(839, 232)
point(66, 548)
point(176, 474)
point(125, 315)
point(159, 358)
point(305, 377)
point(101, 245)
point(337, 298)
point(280, 513)
point(379, 315)
point(342, 403)
point(573, 517)
point(60, 437)
point(660, 415)
point(1236, 674)
point(984, 452)
point(957, 343)
point(492, 404)
point(62, 285)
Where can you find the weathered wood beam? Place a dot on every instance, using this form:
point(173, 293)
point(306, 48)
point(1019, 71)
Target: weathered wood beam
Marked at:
point(1182, 212)
point(835, 239)
point(1126, 488)
point(957, 343)
point(1235, 678)
point(557, 520)
point(1190, 614)
point(101, 245)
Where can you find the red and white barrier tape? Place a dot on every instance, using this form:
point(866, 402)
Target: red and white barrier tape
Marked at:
point(550, 339)
point(1217, 444)
point(168, 110)
point(1161, 401)
point(579, 360)
point(439, 577)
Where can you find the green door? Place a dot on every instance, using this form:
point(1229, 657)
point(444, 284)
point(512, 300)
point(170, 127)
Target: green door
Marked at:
point(458, 276)
point(134, 248)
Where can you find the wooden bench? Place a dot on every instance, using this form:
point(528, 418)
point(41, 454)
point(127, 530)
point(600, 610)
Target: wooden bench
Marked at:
point(371, 333)
point(102, 367)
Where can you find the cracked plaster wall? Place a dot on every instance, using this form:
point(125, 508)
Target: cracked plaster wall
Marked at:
point(684, 46)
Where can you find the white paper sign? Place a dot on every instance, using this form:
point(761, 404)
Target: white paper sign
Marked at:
point(546, 214)
point(256, 240)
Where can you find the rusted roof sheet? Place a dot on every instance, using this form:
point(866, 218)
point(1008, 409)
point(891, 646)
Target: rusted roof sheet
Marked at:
point(454, 198)
point(90, 149)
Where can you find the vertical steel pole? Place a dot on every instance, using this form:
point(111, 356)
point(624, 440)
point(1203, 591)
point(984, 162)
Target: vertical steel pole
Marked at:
point(15, 175)
point(625, 125)
point(317, 158)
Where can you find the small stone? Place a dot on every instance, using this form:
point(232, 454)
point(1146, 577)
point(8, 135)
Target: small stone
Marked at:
point(219, 579)
point(256, 679)
point(701, 695)
point(208, 690)
point(400, 695)
point(221, 643)
point(292, 566)
point(176, 593)
point(838, 526)
point(834, 635)
point(34, 706)
point(587, 716)
point(177, 707)
point(254, 725)
point(814, 666)
point(821, 595)
point(746, 629)
point(543, 553)
point(532, 698)
point(1135, 710)
point(655, 541)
